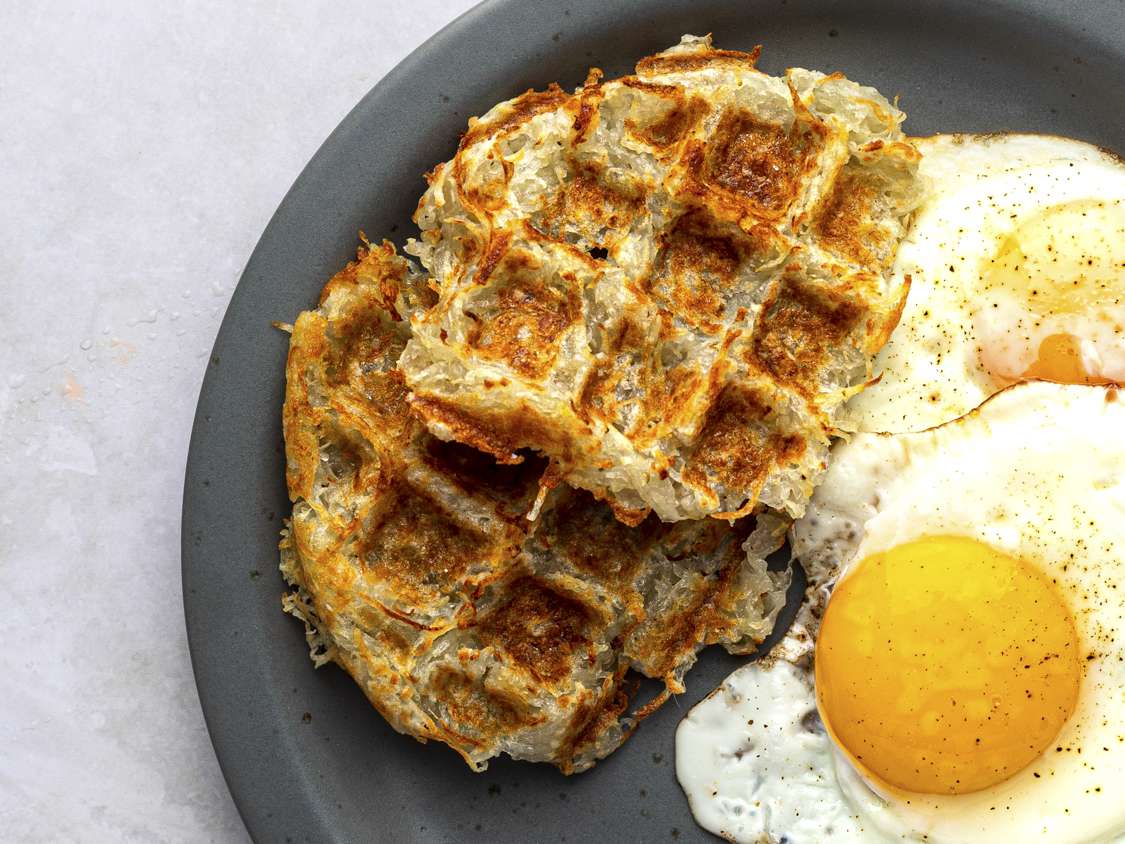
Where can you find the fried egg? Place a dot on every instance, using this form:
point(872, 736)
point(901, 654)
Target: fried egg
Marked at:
point(968, 678)
point(1017, 268)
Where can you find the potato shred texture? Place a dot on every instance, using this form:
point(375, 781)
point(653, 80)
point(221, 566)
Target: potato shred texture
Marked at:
point(415, 568)
point(668, 283)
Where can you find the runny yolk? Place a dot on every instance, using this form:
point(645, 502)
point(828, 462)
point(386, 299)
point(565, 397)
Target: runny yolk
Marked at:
point(1065, 267)
point(1060, 359)
point(944, 666)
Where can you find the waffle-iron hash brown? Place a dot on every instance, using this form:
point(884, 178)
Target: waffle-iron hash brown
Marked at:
point(665, 283)
point(415, 568)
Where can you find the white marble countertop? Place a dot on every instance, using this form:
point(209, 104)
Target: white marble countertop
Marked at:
point(145, 146)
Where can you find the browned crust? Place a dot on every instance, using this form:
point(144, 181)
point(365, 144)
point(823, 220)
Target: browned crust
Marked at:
point(497, 248)
point(759, 164)
point(590, 206)
point(588, 101)
point(526, 324)
point(515, 113)
point(467, 429)
point(798, 330)
point(842, 224)
point(698, 60)
point(734, 450)
point(880, 337)
point(696, 268)
point(682, 116)
point(540, 629)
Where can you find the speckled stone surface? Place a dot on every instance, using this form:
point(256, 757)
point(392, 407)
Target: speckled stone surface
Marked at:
point(144, 148)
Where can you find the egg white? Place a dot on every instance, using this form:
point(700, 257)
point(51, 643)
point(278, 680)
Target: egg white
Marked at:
point(757, 765)
point(981, 189)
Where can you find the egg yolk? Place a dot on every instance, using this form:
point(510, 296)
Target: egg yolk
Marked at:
point(1059, 359)
point(1064, 265)
point(944, 666)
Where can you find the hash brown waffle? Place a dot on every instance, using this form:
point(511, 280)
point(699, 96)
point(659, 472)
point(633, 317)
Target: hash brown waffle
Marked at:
point(666, 283)
point(415, 568)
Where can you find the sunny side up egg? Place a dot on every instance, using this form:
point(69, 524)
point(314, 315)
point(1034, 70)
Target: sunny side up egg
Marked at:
point(1017, 268)
point(968, 682)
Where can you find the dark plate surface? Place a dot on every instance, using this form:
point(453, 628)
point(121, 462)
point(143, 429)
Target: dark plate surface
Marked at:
point(306, 758)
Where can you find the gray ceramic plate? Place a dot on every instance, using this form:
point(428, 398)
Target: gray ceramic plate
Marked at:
point(306, 757)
